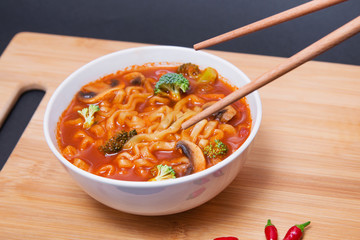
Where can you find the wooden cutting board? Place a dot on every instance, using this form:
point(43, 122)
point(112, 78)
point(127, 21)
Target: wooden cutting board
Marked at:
point(305, 164)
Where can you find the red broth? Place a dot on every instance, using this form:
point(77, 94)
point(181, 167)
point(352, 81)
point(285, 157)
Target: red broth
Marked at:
point(131, 106)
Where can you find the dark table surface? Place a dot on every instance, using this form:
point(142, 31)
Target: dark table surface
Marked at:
point(166, 22)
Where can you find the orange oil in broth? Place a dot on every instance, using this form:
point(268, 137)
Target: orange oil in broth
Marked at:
point(95, 159)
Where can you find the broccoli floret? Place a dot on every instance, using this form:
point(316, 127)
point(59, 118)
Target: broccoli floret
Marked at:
point(88, 115)
point(215, 149)
point(170, 85)
point(116, 143)
point(162, 172)
point(189, 70)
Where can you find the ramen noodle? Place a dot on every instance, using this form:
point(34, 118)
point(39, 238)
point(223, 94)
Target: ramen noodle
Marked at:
point(125, 106)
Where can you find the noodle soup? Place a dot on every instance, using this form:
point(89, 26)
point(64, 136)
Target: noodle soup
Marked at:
point(199, 182)
point(122, 126)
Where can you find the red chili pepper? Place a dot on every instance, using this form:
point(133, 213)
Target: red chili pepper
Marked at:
point(226, 238)
point(270, 231)
point(295, 232)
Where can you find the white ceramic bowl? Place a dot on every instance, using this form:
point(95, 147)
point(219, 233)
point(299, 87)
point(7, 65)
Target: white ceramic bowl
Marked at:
point(151, 198)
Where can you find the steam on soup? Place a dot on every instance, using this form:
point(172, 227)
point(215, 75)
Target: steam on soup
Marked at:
point(128, 125)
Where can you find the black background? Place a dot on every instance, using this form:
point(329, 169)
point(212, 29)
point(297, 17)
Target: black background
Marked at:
point(168, 22)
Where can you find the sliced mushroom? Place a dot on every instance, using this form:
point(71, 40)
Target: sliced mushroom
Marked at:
point(92, 97)
point(194, 154)
point(182, 166)
point(224, 115)
point(91, 93)
point(86, 95)
point(135, 78)
point(114, 82)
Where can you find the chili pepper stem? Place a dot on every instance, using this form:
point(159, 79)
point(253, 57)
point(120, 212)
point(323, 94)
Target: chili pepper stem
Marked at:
point(268, 223)
point(302, 226)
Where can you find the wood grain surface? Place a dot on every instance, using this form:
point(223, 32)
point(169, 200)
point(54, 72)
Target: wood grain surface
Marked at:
point(305, 163)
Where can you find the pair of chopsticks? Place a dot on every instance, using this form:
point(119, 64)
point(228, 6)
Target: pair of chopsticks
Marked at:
point(334, 38)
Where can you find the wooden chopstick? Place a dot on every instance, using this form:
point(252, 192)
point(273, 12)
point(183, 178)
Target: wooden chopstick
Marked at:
point(287, 15)
point(339, 35)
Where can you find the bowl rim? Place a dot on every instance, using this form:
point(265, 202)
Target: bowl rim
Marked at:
point(146, 184)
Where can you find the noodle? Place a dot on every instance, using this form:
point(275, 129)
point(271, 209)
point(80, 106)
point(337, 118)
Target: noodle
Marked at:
point(156, 119)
